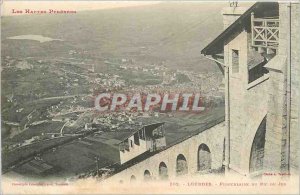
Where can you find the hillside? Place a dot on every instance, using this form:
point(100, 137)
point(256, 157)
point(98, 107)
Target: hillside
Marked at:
point(53, 67)
point(169, 33)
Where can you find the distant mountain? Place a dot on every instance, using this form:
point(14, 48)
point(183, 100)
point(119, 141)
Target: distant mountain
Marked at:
point(172, 33)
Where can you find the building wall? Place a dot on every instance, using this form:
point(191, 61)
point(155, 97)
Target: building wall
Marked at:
point(275, 149)
point(295, 100)
point(274, 136)
point(213, 138)
point(248, 105)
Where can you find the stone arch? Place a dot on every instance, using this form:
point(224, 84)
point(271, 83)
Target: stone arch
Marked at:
point(147, 175)
point(181, 165)
point(204, 158)
point(257, 148)
point(132, 178)
point(247, 140)
point(163, 171)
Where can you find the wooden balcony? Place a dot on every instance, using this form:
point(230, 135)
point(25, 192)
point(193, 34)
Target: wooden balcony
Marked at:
point(265, 33)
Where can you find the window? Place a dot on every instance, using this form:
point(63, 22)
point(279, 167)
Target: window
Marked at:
point(142, 134)
point(235, 61)
point(131, 143)
point(136, 139)
point(204, 158)
point(126, 144)
point(181, 165)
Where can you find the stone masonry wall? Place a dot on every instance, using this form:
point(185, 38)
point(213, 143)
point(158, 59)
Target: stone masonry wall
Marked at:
point(276, 120)
point(295, 100)
point(248, 105)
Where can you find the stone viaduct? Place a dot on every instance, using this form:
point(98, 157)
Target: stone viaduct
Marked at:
point(198, 154)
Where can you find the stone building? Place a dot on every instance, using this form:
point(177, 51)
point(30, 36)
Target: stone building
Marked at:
point(259, 54)
point(149, 138)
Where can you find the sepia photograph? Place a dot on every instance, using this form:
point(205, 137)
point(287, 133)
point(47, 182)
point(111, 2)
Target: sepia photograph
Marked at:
point(150, 97)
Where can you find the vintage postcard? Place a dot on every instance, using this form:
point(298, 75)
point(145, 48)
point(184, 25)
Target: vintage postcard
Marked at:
point(150, 97)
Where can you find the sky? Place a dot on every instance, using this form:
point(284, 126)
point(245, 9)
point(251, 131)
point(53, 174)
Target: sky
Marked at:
point(78, 5)
point(8, 6)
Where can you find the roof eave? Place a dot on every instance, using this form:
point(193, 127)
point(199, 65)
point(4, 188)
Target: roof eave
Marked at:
point(218, 42)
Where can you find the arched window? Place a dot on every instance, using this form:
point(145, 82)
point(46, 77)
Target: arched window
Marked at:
point(163, 171)
point(204, 158)
point(181, 165)
point(132, 178)
point(147, 175)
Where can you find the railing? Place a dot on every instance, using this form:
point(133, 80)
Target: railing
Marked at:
point(265, 32)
